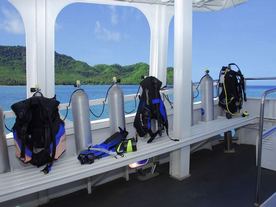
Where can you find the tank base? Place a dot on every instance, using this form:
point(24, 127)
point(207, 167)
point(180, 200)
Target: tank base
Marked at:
point(228, 144)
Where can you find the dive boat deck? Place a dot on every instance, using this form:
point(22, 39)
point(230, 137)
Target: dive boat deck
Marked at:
point(217, 179)
point(29, 180)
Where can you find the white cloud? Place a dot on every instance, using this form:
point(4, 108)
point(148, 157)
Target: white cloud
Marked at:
point(11, 22)
point(106, 34)
point(114, 15)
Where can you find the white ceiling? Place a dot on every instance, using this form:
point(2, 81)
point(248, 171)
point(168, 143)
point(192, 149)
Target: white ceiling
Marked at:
point(198, 5)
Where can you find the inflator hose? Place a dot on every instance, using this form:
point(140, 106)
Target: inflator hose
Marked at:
point(104, 102)
point(69, 103)
point(135, 102)
point(80, 89)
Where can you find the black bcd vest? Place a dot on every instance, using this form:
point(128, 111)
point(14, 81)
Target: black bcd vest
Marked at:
point(232, 90)
point(38, 130)
point(151, 107)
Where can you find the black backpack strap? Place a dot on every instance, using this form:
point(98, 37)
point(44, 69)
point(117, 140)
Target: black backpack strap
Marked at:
point(138, 120)
point(23, 140)
point(152, 135)
point(52, 153)
point(240, 88)
point(243, 86)
point(157, 107)
point(23, 118)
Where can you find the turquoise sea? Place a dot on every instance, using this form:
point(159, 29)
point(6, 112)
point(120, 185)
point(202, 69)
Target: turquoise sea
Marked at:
point(12, 94)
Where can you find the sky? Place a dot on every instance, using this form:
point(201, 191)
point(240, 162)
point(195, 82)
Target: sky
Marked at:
point(100, 34)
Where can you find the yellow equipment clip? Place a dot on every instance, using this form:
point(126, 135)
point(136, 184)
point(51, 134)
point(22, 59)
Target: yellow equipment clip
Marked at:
point(245, 113)
point(128, 145)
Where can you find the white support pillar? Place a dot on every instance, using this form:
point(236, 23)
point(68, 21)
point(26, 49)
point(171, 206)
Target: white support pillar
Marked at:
point(180, 163)
point(159, 17)
point(182, 85)
point(39, 19)
point(160, 23)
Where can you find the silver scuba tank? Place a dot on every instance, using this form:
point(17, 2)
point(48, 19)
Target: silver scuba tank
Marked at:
point(4, 156)
point(207, 97)
point(116, 108)
point(81, 119)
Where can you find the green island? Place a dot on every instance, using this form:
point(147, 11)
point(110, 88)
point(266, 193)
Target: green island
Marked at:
point(68, 70)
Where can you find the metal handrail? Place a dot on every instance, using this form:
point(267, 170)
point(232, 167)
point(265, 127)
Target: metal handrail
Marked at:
point(248, 79)
point(261, 136)
point(215, 81)
point(92, 102)
point(262, 78)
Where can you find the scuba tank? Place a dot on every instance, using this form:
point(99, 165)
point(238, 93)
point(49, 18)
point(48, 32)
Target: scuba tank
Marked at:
point(81, 119)
point(4, 156)
point(116, 108)
point(207, 97)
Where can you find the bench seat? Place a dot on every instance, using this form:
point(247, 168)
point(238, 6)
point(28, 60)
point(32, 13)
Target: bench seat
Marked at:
point(29, 179)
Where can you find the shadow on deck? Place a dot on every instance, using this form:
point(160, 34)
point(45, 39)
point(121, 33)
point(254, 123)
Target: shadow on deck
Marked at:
point(217, 179)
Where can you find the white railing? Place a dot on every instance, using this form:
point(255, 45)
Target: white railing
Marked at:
point(130, 97)
point(94, 102)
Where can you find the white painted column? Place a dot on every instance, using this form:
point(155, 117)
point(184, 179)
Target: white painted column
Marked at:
point(180, 163)
point(159, 26)
point(45, 47)
point(180, 159)
point(39, 21)
point(27, 12)
point(39, 18)
point(158, 17)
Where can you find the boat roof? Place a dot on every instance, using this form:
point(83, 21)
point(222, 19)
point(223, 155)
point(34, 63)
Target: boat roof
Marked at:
point(198, 5)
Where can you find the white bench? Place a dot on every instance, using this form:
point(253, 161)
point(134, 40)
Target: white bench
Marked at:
point(30, 180)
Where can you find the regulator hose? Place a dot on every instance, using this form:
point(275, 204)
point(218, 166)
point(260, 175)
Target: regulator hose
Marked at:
point(69, 103)
point(135, 102)
point(7, 128)
point(207, 72)
point(90, 110)
point(166, 96)
point(104, 102)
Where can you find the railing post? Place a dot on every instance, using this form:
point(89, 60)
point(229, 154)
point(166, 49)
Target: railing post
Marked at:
point(260, 142)
point(4, 156)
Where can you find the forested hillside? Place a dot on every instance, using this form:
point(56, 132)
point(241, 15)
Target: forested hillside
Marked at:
point(68, 70)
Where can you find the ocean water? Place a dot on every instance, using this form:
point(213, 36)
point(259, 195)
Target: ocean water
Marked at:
point(13, 94)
